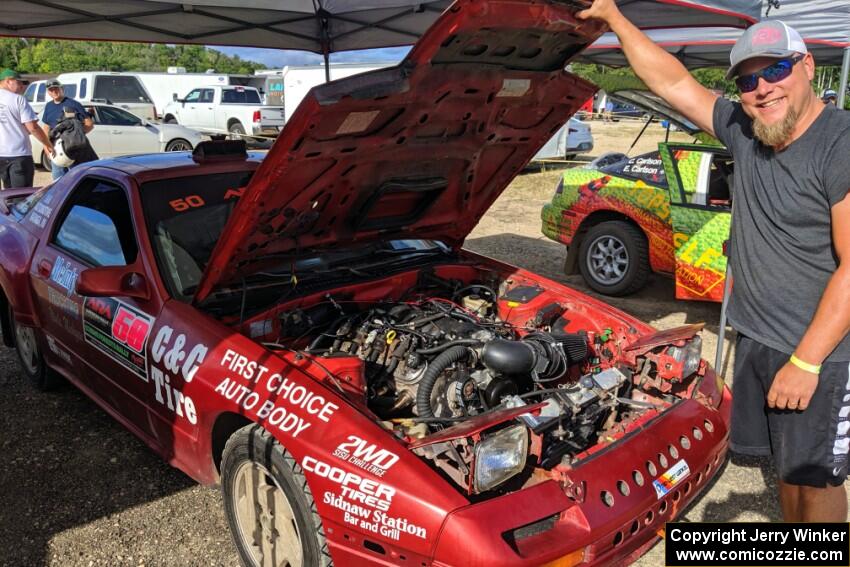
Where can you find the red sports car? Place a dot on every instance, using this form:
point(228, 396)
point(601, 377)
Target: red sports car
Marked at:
point(306, 329)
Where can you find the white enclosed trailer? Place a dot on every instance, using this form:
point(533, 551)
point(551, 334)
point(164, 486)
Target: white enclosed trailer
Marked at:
point(298, 80)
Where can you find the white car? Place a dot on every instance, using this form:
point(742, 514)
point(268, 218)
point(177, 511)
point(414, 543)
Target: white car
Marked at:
point(118, 133)
point(573, 138)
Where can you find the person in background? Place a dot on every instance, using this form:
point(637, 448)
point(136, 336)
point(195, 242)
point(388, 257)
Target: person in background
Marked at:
point(608, 115)
point(830, 97)
point(17, 121)
point(57, 110)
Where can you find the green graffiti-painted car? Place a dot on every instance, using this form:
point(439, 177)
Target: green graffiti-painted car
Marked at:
point(667, 211)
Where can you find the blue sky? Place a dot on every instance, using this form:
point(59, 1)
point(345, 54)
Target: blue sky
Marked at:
point(277, 58)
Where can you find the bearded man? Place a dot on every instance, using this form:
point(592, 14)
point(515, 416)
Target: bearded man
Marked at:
point(790, 253)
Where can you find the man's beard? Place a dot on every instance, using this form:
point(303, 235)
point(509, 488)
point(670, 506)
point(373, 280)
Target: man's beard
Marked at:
point(778, 133)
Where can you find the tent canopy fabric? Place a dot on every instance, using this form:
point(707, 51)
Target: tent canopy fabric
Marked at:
point(824, 24)
point(321, 26)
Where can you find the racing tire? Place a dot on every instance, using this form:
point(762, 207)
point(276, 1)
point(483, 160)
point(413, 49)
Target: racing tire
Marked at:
point(30, 356)
point(237, 131)
point(178, 145)
point(269, 507)
point(614, 258)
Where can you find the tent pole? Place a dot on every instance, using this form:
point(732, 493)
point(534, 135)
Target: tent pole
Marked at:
point(845, 69)
point(721, 329)
point(324, 18)
point(327, 57)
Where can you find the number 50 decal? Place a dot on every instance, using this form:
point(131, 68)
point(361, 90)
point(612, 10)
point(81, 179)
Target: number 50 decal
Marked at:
point(181, 205)
point(131, 328)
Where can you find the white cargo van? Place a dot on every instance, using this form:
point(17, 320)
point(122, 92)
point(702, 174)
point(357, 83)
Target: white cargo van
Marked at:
point(121, 89)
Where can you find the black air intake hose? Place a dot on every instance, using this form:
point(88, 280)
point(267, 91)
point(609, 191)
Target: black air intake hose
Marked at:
point(437, 366)
point(511, 357)
point(545, 356)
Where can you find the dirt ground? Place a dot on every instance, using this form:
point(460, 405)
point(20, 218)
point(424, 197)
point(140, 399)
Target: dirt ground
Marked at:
point(79, 490)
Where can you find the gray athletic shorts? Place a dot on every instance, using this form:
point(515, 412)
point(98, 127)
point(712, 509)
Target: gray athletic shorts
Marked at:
point(810, 447)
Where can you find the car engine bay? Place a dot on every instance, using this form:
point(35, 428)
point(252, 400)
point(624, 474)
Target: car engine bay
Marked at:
point(453, 348)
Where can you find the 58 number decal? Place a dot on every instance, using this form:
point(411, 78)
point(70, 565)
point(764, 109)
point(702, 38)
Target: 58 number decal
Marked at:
point(130, 329)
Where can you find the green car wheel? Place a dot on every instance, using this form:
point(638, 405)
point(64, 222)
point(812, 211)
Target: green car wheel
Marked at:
point(614, 258)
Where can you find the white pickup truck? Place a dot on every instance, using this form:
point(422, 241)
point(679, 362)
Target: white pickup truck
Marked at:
point(235, 110)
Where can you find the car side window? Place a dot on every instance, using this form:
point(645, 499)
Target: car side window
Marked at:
point(705, 178)
point(117, 117)
point(96, 225)
point(83, 84)
point(647, 168)
point(193, 96)
point(206, 95)
point(239, 95)
point(70, 91)
point(42, 89)
point(29, 94)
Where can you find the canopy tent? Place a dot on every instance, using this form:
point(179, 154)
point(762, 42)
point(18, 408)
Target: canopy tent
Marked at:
point(321, 26)
point(699, 47)
point(824, 24)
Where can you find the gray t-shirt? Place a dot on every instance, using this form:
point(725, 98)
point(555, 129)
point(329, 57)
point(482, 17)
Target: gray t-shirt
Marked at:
point(781, 241)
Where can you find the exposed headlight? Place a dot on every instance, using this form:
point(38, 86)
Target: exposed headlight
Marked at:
point(499, 457)
point(689, 355)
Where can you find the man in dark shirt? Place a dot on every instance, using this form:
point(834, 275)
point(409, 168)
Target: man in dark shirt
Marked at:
point(59, 108)
point(790, 244)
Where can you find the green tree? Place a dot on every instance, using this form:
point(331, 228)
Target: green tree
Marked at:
point(51, 56)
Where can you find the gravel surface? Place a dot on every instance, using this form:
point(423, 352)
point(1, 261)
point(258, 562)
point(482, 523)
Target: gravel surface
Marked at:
point(79, 490)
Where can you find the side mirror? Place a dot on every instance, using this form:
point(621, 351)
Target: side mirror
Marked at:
point(174, 96)
point(112, 281)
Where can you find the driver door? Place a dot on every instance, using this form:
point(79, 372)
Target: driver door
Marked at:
point(101, 340)
point(699, 178)
point(191, 106)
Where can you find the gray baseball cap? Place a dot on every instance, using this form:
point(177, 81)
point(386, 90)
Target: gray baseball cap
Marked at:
point(770, 38)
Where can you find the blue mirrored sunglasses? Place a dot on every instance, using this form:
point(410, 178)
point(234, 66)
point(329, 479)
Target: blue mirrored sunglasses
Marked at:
point(772, 74)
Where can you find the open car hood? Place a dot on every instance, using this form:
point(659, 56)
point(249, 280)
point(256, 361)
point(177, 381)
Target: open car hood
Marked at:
point(420, 150)
point(650, 102)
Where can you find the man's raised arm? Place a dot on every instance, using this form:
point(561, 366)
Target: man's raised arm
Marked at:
point(662, 73)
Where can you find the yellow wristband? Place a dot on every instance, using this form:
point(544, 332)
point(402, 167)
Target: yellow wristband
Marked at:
point(813, 368)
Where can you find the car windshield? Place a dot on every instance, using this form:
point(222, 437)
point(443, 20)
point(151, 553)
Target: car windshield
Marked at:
point(186, 216)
